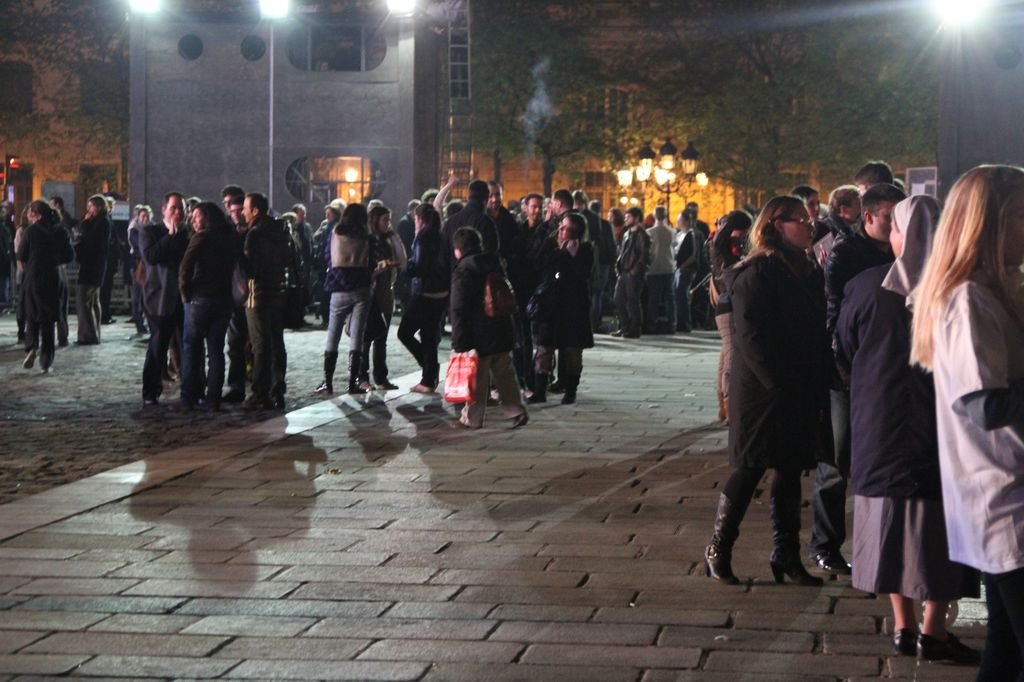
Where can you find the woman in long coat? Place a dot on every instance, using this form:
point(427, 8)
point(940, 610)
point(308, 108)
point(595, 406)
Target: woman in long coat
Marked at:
point(44, 246)
point(563, 311)
point(778, 394)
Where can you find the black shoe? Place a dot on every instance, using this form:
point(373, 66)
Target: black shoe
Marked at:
point(150, 402)
point(520, 420)
point(386, 385)
point(556, 386)
point(278, 402)
point(256, 403)
point(904, 642)
point(832, 562)
point(952, 650)
point(233, 397)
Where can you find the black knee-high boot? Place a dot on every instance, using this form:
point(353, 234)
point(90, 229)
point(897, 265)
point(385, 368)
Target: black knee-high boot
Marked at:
point(540, 389)
point(355, 359)
point(718, 553)
point(785, 558)
point(330, 364)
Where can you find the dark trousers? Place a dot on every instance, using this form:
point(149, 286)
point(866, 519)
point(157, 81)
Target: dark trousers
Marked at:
point(681, 283)
point(162, 328)
point(269, 357)
point(424, 317)
point(1004, 641)
point(238, 336)
point(828, 497)
point(62, 312)
point(627, 303)
point(87, 305)
point(376, 345)
point(522, 353)
point(206, 322)
point(597, 286)
point(40, 335)
point(659, 295)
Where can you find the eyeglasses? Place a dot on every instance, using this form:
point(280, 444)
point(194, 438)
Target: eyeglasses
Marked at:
point(803, 220)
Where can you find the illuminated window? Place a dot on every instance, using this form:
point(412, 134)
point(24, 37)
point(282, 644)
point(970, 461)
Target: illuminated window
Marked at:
point(319, 179)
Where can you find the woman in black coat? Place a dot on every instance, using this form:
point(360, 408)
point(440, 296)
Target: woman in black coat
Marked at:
point(562, 314)
point(44, 246)
point(778, 406)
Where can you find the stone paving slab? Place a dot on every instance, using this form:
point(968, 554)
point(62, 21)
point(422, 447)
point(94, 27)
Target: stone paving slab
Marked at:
point(370, 539)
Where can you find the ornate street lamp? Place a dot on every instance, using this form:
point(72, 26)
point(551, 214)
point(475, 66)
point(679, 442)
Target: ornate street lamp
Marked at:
point(661, 168)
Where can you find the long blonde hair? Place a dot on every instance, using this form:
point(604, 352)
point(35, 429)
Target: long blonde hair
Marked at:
point(971, 236)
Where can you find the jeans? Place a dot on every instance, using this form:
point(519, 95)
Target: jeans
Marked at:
point(138, 313)
point(238, 337)
point(659, 293)
point(424, 317)
point(382, 303)
point(206, 321)
point(269, 357)
point(627, 303)
point(344, 304)
point(87, 305)
point(682, 281)
point(598, 283)
point(161, 329)
point(1004, 641)
point(828, 498)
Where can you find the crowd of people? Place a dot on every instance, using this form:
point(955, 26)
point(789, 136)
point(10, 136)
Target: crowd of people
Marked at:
point(875, 343)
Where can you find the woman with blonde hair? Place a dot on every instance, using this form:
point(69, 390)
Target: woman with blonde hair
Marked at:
point(969, 330)
point(778, 407)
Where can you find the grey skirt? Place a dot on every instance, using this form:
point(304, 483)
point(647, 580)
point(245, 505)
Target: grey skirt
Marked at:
point(899, 547)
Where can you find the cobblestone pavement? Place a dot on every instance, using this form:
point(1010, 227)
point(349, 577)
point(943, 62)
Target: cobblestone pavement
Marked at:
point(85, 416)
point(370, 539)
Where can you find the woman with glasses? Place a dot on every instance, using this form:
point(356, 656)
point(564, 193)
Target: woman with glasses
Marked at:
point(778, 407)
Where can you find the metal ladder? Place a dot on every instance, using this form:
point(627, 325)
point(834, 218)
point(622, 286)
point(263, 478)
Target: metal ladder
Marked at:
point(457, 153)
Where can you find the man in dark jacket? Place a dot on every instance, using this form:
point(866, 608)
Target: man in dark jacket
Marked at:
point(91, 253)
point(474, 215)
point(604, 246)
point(851, 255)
point(524, 272)
point(266, 258)
point(472, 330)
point(163, 246)
point(631, 267)
point(205, 281)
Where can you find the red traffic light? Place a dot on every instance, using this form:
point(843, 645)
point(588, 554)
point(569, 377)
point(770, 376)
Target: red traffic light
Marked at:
point(13, 162)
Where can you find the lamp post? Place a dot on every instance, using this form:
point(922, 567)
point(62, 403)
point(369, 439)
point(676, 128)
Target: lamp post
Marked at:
point(661, 167)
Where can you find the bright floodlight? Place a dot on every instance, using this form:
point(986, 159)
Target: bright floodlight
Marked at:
point(956, 12)
point(144, 6)
point(402, 8)
point(274, 9)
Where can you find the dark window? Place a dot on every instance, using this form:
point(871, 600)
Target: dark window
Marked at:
point(595, 179)
point(253, 48)
point(16, 86)
point(190, 47)
point(102, 89)
point(336, 48)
